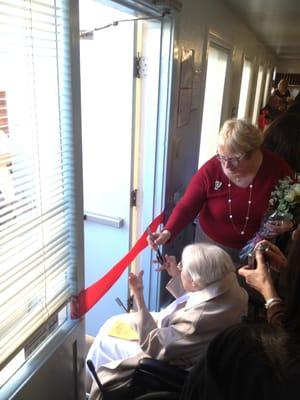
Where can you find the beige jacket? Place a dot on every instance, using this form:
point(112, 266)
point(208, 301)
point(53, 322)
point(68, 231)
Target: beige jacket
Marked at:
point(185, 334)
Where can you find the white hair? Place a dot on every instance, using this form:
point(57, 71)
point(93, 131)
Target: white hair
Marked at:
point(206, 263)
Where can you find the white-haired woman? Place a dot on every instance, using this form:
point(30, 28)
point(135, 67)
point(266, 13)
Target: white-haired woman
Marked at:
point(210, 299)
point(230, 193)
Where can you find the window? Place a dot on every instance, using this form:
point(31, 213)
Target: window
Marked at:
point(37, 275)
point(267, 87)
point(257, 100)
point(213, 101)
point(244, 100)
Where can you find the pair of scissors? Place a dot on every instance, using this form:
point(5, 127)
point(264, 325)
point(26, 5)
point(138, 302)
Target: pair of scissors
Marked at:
point(160, 258)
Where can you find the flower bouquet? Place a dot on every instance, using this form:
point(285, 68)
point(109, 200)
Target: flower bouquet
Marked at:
point(283, 205)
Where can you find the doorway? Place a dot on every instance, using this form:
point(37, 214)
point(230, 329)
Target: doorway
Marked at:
point(122, 99)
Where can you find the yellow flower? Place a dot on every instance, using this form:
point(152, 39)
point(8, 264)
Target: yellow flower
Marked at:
point(296, 188)
point(290, 196)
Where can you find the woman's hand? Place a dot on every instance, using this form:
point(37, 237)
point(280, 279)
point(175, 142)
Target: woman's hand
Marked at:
point(137, 287)
point(136, 282)
point(279, 227)
point(170, 265)
point(158, 238)
point(274, 255)
point(259, 278)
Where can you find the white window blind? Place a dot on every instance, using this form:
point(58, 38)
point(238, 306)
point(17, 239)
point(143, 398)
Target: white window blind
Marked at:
point(37, 274)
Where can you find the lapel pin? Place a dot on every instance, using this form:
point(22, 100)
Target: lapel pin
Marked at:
point(218, 184)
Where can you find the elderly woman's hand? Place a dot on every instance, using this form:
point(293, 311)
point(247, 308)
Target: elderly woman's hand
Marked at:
point(137, 288)
point(259, 278)
point(136, 283)
point(170, 265)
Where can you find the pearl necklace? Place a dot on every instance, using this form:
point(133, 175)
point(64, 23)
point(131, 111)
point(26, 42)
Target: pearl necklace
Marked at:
point(242, 232)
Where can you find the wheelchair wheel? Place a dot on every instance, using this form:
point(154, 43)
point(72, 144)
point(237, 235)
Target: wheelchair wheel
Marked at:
point(159, 395)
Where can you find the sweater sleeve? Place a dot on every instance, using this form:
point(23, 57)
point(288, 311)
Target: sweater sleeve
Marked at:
point(174, 286)
point(275, 314)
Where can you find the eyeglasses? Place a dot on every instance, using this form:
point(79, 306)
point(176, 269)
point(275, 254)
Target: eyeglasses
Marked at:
point(234, 161)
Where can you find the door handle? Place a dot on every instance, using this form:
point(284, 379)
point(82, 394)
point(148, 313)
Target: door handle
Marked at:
point(104, 219)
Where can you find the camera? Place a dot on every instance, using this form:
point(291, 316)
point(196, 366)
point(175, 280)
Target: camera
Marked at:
point(251, 256)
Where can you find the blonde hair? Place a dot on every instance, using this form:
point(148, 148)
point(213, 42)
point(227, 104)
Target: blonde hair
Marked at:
point(283, 83)
point(240, 136)
point(206, 263)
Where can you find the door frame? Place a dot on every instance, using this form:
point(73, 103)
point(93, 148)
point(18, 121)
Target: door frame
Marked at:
point(155, 189)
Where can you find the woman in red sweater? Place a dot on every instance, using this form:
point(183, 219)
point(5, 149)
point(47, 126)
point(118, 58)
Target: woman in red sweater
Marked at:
point(230, 193)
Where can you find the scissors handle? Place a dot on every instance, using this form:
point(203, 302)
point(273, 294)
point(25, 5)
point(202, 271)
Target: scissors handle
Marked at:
point(160, 258)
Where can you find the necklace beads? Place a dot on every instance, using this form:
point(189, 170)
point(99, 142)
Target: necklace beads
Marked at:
point(242, 232)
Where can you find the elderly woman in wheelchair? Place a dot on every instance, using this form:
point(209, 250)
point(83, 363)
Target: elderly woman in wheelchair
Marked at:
point(208, 299)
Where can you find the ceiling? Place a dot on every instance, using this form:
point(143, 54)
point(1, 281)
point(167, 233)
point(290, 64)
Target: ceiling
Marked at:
point(275, 22)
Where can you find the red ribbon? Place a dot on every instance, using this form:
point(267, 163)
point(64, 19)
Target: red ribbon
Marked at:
point(86, 299)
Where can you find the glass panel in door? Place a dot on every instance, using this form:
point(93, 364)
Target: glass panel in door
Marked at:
point(106, 102)
point(124, 124)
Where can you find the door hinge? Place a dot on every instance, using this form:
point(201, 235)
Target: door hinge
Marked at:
point(140, 66)
point(133, 196)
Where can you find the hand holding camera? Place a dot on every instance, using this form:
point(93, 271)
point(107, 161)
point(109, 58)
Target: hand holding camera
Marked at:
point(259, 276)
point(261, 247)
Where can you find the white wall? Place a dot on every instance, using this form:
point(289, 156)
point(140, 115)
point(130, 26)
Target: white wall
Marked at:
point(289, 66)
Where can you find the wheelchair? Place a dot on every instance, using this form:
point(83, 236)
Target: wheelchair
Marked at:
point(152, 379)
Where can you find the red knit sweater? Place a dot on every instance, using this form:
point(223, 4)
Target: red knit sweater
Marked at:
point(207, 195)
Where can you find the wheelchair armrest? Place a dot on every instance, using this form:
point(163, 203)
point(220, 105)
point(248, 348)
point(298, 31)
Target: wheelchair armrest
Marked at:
point(159, 375)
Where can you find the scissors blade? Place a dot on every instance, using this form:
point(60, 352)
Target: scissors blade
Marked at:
point(159, 256)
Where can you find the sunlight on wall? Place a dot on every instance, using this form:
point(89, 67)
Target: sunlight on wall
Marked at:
point(213, 101)
point(245, 90)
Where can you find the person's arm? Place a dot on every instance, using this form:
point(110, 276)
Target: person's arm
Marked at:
point(275, 314)
point(275, 257)
point(177, 337)
point(296, 233)
point(260, 278)
point(157, 342)
point(185, 210)
point(170, 266)
point(158, 238)
point(137, 288)
point(174, 286)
